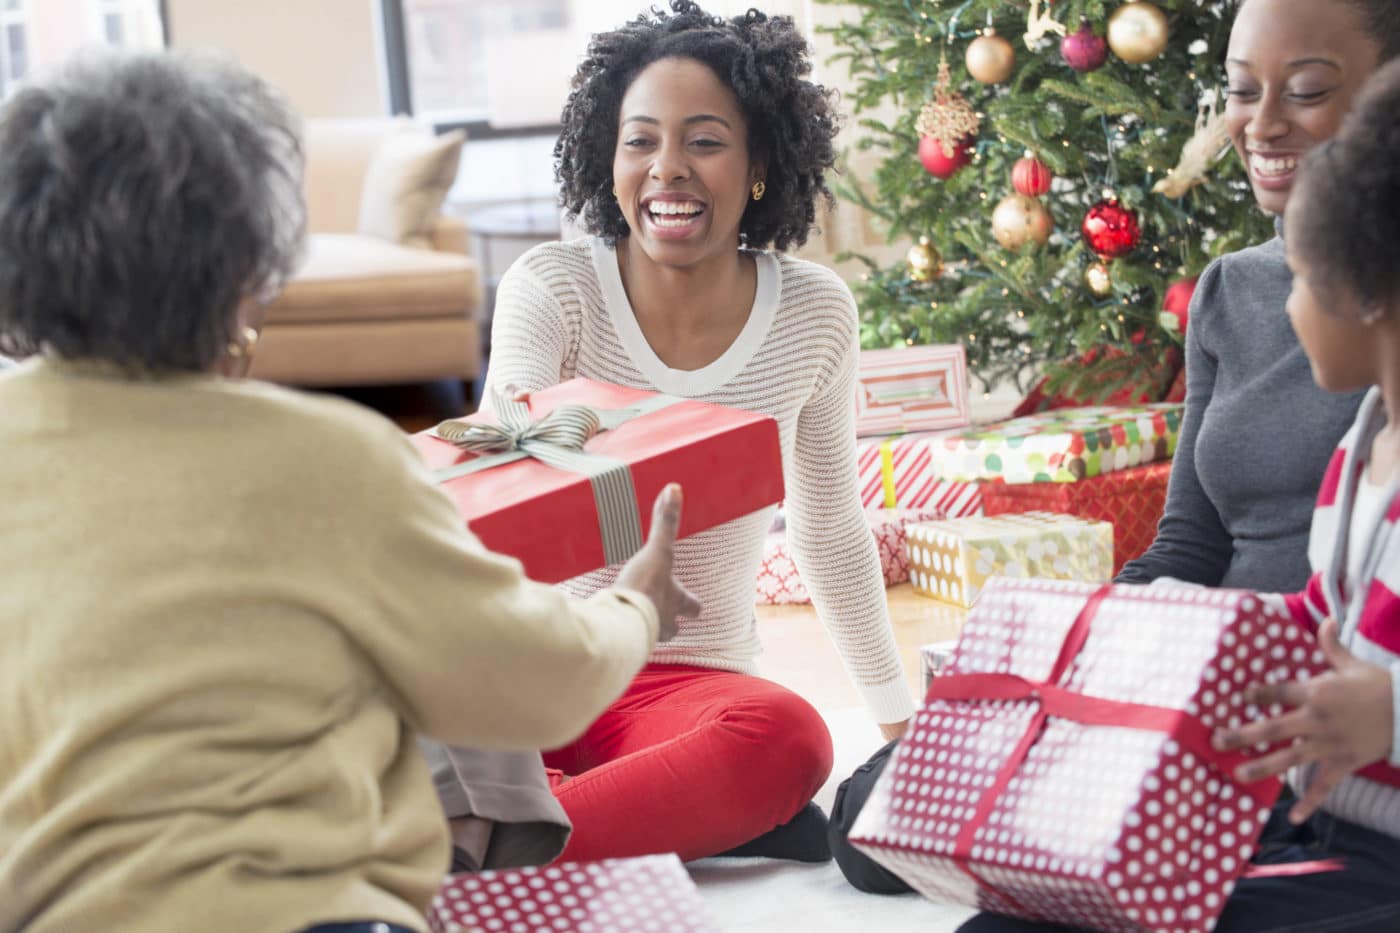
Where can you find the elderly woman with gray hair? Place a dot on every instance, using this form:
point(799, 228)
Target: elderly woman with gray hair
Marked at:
point(228, 607)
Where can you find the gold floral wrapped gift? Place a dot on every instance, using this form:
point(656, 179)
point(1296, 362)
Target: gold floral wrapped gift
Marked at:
point(952, 560)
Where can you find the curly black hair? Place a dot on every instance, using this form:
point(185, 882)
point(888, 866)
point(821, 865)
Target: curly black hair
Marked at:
point(791, 121)
point(1348, 198)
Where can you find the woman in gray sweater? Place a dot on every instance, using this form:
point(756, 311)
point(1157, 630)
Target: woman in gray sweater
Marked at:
point(1258, 432)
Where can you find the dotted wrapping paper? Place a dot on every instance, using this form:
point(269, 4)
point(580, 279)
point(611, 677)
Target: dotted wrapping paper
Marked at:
point(652, 894)
point(1062, 446)
point(1088, 795)
point(952, 560)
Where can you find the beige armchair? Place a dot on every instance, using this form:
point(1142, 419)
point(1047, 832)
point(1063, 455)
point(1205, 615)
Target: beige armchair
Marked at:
point(384, 296)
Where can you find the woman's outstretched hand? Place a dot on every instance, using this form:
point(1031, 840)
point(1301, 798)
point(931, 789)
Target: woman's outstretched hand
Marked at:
point(649, 571)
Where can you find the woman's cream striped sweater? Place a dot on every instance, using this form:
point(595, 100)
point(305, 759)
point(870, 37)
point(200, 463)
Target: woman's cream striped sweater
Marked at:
point(561, 312)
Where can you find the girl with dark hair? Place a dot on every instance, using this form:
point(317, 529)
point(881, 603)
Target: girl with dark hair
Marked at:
point(1342, 749)
point(1258, 433)
point(693, 149)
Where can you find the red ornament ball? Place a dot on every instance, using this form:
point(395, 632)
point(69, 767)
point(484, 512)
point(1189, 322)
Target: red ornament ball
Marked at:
point(1111, 230)
point(1177, 301)
point(1031, 177)
point(1083, 50)
point(938, 162)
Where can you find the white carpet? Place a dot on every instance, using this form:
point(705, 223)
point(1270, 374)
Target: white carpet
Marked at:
point(768, 896)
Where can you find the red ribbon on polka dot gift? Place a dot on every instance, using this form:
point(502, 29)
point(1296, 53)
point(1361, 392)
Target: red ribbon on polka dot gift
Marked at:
point(1053, 700)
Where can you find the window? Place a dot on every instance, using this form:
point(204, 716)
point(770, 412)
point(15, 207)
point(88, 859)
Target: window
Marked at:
point(497, 67)
point(35, 33)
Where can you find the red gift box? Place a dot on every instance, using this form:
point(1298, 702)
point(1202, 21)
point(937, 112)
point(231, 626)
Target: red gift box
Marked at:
point(911, 389)
point(1132, 500)
point(561, 523)
point(779, 583)
point(1061, 769)
point(652, 894)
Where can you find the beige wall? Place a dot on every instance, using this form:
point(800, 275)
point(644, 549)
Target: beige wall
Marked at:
point(324, 54)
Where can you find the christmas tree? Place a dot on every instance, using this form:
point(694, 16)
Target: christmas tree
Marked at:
point(1057, 167)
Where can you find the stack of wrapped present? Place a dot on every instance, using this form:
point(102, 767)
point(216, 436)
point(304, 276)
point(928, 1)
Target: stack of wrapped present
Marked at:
point(652, 894)
point(1097, 701)
point(1108, 463)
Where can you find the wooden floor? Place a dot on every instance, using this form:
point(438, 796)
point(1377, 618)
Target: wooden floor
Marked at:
point(799, 654)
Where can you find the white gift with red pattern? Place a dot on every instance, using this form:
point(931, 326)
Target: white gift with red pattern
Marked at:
point(779, 583)
point(653, 894)
point(922, 388)
point(1110, 826)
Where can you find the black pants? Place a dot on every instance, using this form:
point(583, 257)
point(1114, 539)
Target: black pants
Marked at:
point(1364, 897)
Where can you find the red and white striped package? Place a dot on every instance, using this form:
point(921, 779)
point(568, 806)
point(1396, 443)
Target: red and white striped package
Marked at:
point(911, 389)
point(897, 472)
point(1061, 769)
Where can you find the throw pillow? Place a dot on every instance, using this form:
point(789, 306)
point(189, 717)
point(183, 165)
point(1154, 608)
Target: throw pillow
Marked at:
point(407, 180)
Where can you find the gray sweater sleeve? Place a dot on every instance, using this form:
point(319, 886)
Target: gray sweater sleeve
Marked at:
point(1192, 542)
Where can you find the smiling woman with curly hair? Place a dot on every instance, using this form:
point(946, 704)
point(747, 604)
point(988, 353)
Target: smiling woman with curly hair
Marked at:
point(693, 148)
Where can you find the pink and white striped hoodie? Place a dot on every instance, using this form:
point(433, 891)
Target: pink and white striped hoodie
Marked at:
point(1362, 592)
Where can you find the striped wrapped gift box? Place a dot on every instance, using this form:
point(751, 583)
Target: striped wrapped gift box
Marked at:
point(911, 389)
point(897, 473)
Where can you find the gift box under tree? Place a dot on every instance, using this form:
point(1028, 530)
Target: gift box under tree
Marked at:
point(780, 584)
point(953, 560)
point(921, 388)
point(897, 473)
point(652, 894)
point(1066, 698)
point(1063, 446)
point(1132, 500)
point(566, 484)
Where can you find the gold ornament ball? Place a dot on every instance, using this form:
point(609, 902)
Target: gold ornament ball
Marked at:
point(1137, 32)
point(925, 264)
point(1098, 279)
point(990, 58)
point(1019, 219)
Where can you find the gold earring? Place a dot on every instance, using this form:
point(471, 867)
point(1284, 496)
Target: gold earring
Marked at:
point(614, 191)
point(758, 189)
point(237, 349)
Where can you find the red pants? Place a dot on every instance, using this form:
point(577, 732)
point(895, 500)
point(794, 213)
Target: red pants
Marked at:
point(692, 761)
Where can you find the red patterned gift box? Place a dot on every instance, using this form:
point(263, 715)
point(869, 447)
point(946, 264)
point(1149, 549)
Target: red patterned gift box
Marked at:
point(1132, 500)
point(911, 389)
point(566, 484)
point(779, 583)
point(652, 894)
point(897, 473)
point(1061, 768)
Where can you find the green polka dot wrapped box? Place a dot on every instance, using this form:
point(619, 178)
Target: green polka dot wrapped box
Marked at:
point(952, 560)
point(1062, 446)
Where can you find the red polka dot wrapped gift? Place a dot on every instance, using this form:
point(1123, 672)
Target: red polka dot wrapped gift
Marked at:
point(652, 894)
point(1061, 768)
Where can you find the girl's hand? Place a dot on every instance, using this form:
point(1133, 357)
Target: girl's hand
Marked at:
point(1342, 720)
